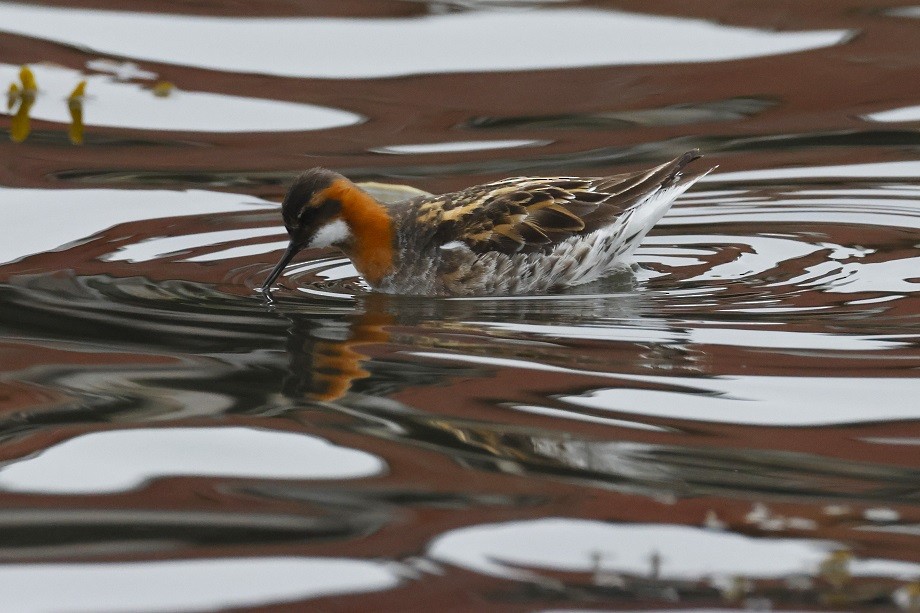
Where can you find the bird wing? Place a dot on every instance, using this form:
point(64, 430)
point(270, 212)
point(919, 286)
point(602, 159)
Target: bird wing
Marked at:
point(533, 214)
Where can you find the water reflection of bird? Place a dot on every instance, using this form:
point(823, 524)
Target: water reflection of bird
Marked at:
point(515, 236)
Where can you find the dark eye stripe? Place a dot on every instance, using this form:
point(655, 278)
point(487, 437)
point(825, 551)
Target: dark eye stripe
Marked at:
point(317, 214)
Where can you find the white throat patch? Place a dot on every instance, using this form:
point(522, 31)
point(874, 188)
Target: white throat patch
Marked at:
point(330, 234)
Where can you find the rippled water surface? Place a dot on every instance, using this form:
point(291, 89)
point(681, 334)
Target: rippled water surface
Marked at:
point(734, 425)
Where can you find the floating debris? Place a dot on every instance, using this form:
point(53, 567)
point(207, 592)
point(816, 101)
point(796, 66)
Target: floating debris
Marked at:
point(78, 92)
point(24, 94)
point(75, 106)
point(12, 96)
point(29, 85)
point(163, 89)
point(835, 568)
point(21, 124)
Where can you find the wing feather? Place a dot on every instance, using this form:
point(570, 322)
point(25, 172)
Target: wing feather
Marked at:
point(532, 214)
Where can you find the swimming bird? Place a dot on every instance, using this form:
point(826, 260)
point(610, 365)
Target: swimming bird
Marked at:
point(521, 235)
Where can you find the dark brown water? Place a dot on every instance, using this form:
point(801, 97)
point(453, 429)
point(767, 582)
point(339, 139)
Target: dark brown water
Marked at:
point(735, 426)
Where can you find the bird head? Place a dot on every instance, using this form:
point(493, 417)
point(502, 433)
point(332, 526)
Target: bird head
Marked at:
point(312, 214)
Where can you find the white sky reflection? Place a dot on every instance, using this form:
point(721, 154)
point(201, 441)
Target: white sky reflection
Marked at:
point(369, 48)
point(767, 401)
point(187, 585)
point(750, 400)
point(119, 460)
point(83, 212)
point(508, 549)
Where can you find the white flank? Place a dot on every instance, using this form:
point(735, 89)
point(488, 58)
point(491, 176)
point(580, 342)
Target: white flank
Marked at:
point(330, 234)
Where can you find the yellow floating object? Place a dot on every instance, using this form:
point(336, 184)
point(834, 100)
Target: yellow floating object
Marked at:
point(78, 92)
point(75, 106)
point(12, 96)
point(21, 123)
point(28, 80)
point(163, 89)
point(75, 131)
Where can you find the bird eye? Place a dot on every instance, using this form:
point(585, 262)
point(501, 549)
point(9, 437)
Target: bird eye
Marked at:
point(305, 214)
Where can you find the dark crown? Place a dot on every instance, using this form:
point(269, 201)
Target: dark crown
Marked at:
point(302, 191)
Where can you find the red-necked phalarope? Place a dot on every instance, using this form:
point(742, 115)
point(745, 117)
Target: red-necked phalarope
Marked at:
point(516, 236)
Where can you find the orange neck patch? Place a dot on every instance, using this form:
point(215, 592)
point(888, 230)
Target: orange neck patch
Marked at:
point(370, 223)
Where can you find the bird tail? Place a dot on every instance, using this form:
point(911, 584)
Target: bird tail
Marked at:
point(650, 210)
